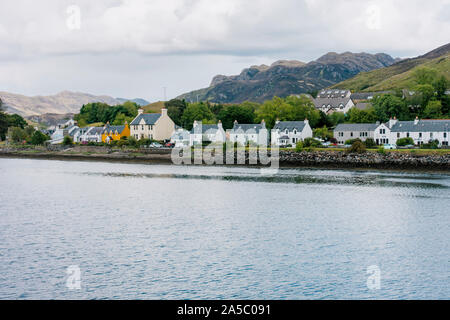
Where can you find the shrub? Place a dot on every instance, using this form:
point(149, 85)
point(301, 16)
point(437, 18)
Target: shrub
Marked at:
point(132, 142)
point(311, 142)
point(404, 141)
point(381, 150)
point(352, 141)
point(357, 147)
point(432, 144)
point(67, 141)
point(370, 143)
point(38, 138)
point(299, 146)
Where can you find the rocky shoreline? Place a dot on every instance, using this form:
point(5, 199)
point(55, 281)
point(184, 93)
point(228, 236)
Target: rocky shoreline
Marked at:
point(321, 159)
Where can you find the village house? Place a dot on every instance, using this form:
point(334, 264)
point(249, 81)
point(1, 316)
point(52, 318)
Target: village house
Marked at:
point(180, 138)
point(330, 101)
point(290, 132)
point(155, 126)
point(348, 131)
point(115, 133)
point(213, 133)
point(244, 134)
point(88, 134)
point(421, 131)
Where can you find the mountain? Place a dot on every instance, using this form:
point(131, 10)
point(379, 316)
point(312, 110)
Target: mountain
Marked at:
point(400, 74)
point(283, 78)
point(138, 101)
point(61, 103)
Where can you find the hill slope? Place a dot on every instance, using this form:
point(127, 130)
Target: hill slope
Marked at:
point(61, 103)
point(400, 74)
point(283, 78)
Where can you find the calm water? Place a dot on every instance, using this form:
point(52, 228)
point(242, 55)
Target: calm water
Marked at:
point(164, 232)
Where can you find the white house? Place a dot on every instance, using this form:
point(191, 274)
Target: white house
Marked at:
point(330, 101)
point(157, 126)
point(88, 134)
point(61, 131)
point(180, 138)
point(421, 131)
point(213, 133)
point(290, 132)
point(244, 134)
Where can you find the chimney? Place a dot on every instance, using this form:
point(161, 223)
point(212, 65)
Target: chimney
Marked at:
point(263, 123)
point(195, 123)
point(277, 121)
point(416, 121)
point(306, 121)
point(164, 112)
point(392, 122)
point(140, 111)
point(219, 124)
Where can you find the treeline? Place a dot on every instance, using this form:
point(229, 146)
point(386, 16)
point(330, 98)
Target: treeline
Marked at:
point(9, 121)
point(99, 112)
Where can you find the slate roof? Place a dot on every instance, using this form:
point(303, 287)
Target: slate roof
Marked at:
point(363, 105)
point(290, 125)
point(331, 102)
point(95, 130)
point(149, 118)
point(356, 127)
point(422, 126)
point(367, 95)
point(113, 129)
point(238, 127)
point(334, 93)
point(206, 127)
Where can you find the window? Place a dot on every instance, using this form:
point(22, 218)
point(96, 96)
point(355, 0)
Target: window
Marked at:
point(295, 131)
point(445, 134)
point(142, 127)
point(398, 134)
point(351, 134)
point(431, 134)
point(420, 134)
point(407, 134)
point(286, 131)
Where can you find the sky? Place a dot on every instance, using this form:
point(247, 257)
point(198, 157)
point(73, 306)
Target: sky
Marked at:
point(143, 48)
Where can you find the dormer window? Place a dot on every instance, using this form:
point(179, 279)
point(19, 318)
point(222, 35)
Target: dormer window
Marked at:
point(295, 131)
point(286, 131)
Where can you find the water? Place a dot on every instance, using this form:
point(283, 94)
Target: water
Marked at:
point(165, 232)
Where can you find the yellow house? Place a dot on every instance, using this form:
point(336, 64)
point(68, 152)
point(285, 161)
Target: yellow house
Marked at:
point(115, 132)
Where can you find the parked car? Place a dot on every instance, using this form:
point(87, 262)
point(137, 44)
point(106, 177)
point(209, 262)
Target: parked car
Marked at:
point(389, 146)
point(156, 145)
point(169, 145)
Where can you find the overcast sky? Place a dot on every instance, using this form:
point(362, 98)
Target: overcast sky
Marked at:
point(135, 48)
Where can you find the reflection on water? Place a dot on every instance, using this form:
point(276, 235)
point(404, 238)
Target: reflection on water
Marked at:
point(164, 232)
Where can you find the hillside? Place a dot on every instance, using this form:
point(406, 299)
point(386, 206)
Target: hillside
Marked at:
point(283, 78)
point(61, 103)
point(399, 75)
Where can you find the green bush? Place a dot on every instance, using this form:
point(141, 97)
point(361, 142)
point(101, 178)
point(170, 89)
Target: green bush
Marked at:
point(432, 144)
point(133, 142)
point(381, 150)
point(311, 142)
point(405, 141)
point(299, 146)
point(369, 143)
point(38, 138)
point(67, 141)
point(357, 147)
point(352, 141)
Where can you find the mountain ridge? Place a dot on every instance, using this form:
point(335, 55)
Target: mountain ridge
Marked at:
point(283, 77)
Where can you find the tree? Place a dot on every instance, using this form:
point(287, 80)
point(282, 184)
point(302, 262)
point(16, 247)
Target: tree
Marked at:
point(335, 118)
point(387, 106)
point(425, 75)
point(3, 122)
point(241, 113)
point(323, 133)
point(370, 143)
point(16, 134)
point(175, 109)
point(433, 110)
point(16, 120)
point(196, 111)
point(357, 147)
point(426, 92)
point(356, 115)
point(405, 142)
point(38, 138)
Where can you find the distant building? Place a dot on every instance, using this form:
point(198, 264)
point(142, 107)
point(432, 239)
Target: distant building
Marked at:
point(156, 126)
point(347, 131)
point(330, 101)
point(88, 134)
point(111, 133)
point(244, 134)
point(421, 131)
point(180, 138)
point(213, 133)
point(290, 132)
